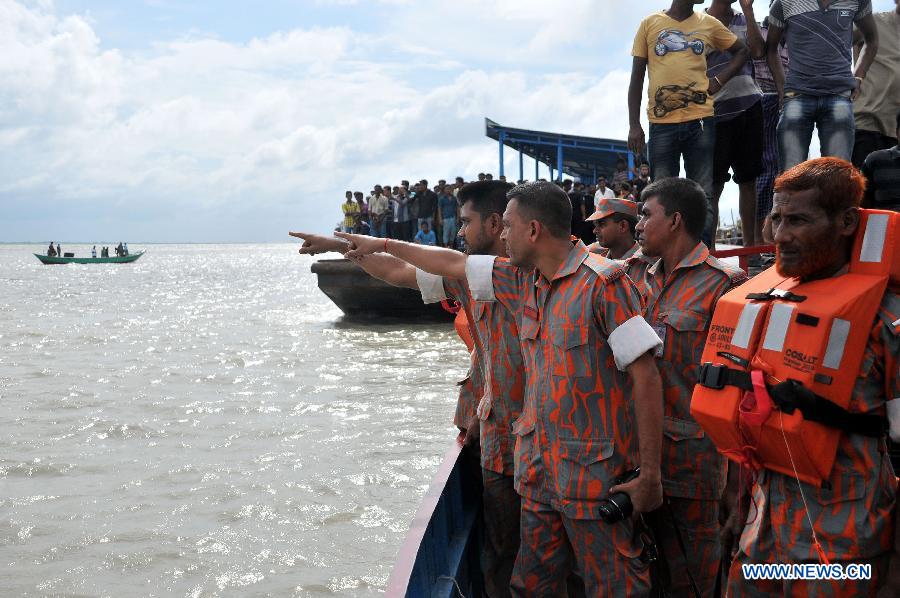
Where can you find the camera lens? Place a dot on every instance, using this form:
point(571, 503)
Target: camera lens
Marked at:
point(616, 508)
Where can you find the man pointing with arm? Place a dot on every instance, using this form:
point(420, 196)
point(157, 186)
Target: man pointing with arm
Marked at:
point(498, 359)
point(579, 317)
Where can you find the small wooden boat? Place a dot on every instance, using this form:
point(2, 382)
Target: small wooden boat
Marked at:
point(125, 259)
point(440, 556)
point(362, 296)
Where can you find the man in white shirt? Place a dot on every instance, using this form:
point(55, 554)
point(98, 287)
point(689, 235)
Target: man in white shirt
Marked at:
point(603, 191)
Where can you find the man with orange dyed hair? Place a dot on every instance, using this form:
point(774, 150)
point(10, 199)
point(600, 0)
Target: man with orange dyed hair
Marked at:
point(850, 517)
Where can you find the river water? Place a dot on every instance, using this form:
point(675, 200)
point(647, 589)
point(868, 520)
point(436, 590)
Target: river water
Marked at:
point(204, 423)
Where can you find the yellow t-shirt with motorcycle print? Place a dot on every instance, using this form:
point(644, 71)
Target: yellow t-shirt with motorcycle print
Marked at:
point(676, 60)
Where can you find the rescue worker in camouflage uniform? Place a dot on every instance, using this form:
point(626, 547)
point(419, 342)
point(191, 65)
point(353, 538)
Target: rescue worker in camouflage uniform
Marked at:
point(814, 220)
point(683, 286)
point(614, 221)
point(498, 361)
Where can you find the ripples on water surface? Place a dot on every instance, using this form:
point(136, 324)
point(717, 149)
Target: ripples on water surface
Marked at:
point(203, 423)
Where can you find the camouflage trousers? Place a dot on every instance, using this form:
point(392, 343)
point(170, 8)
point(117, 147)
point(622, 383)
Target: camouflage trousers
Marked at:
point(606, 556)
point(698, 524)
point(501, 532)
point(853, 519)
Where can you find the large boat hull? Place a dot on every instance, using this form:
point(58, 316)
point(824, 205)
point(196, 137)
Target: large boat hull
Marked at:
point(440, 556)
point(359, 295)
point(125, 259)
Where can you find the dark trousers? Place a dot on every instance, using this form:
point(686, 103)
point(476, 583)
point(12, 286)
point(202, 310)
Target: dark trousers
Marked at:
point(502, 509)
point(695, 142)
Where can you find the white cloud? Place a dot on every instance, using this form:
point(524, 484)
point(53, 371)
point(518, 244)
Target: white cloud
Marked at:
point(279, 125)
point(289, 119)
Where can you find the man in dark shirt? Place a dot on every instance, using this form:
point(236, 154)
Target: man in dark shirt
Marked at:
point(882, 169)
point(427, 201)
point(820, 86)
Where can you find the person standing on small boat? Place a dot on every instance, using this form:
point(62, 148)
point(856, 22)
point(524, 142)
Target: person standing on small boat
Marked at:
point(58, 251)
point(94, 252)
point(51, 252)
point(499, 361)
point(125, 248)
point(598, 391)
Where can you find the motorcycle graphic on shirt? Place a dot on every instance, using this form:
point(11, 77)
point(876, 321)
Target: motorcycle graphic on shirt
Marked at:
point(669, 98)
point(672, 40)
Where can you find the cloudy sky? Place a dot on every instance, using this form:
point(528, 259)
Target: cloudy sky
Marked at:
point(230, 121)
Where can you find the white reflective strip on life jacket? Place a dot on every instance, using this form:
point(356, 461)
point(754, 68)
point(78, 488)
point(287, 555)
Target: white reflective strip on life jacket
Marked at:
point(837, 340)
point(745, 325)
point(779, 320)
point(873, 241)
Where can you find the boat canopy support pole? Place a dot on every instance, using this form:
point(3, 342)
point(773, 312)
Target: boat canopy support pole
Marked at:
point(501, 140)
point(521, 164)
point(559, 160)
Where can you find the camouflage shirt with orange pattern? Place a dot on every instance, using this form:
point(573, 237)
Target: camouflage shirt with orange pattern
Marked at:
point(579, 332)
point(502, 374)
point(679, 307)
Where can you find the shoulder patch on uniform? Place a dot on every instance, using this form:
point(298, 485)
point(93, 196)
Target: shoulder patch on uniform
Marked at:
point(732, 272)
point(605, 268)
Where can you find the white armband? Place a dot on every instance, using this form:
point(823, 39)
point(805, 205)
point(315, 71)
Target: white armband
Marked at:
point(893, 413)
point(480, 276)
point(431, 286)
point(631, 340)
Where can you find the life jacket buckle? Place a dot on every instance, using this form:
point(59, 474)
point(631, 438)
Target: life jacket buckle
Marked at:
point(780, 294)
point(713, 375)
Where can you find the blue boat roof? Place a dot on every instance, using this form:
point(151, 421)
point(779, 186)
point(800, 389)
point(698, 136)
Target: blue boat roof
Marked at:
point(579, 156)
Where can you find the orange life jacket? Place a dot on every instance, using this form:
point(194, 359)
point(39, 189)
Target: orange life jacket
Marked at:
point(803, 344)
point(461, 323)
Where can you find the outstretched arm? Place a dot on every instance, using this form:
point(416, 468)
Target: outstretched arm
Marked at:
point(385, 267)
point(436, 260)
point(391, 270)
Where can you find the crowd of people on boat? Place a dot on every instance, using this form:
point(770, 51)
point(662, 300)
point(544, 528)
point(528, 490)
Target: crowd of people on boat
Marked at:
point(121, 251)
point(649, 421)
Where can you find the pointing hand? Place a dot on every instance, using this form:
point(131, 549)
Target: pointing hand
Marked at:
point(314, 244)
point(361, 245)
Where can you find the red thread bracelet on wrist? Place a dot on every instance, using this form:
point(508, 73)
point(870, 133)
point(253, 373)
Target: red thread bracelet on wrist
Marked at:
point(385, 245)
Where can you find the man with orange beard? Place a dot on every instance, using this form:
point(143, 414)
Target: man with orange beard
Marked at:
point(816, 368)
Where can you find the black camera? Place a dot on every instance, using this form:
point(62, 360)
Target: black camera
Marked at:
point(618, 506)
